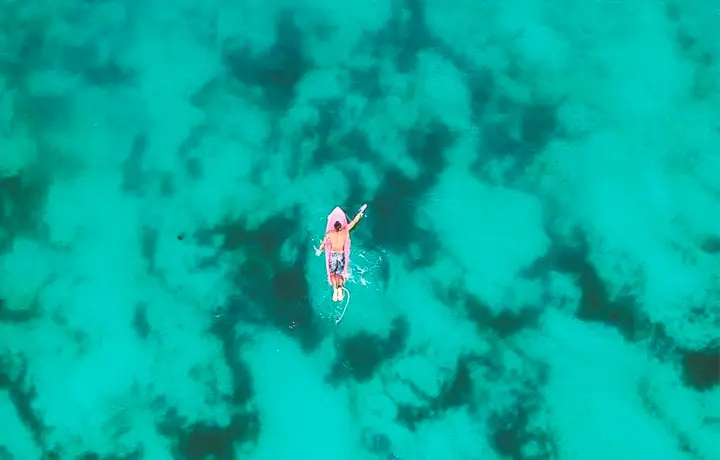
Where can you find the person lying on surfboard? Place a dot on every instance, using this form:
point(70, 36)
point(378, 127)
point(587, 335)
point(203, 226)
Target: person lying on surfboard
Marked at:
point(337, 248)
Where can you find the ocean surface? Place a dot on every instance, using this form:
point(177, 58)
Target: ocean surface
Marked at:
point(537, 276)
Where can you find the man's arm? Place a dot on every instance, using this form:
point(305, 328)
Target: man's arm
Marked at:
point(320, 248)
point(355, 220)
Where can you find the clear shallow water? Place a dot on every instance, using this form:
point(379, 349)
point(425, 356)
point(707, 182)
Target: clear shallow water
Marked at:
point(535, 278)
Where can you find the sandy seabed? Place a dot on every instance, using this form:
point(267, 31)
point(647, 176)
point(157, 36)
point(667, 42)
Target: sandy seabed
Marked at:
point(536, 277)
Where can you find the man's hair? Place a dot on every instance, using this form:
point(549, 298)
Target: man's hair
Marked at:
point(338, 225)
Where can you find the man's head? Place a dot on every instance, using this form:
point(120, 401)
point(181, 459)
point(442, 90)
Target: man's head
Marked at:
point(338, 225)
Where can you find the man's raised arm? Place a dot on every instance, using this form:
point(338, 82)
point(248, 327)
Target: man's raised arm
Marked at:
point(357, 218)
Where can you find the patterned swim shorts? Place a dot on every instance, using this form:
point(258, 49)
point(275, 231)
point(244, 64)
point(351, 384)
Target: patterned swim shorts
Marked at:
point(337, 263)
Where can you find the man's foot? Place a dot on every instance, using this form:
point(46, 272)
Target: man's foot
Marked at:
point(341, 294)
point(335, 295)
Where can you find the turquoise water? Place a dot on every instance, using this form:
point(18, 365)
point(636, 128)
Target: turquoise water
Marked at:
point(536, 276)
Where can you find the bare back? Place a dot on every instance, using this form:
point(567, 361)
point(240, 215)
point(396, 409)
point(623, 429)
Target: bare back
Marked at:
point(338, 239)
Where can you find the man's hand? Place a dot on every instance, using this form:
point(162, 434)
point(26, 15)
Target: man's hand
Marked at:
point(318, 251)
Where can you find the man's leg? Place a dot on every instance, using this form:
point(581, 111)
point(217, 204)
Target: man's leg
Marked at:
point(341, 284)
point(333, 277)
point(336, 289)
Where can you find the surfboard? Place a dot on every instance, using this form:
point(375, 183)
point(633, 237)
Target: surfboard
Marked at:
point(338, 215)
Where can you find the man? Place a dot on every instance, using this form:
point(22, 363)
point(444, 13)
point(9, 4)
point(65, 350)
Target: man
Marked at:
point(337, 249)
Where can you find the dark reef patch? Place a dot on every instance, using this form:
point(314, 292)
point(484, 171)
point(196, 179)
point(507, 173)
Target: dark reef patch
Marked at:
point(566, 254)
point(17, 316)
point(376, 443)
point(504, 324)
point(481, 84)
point(42, 112)
point(148, 246)
point(427, 144)
point(274, 290)
point(711, 245)
point(242, 378)
point(194, 139)
point(139, 455)
point(26, 40)
point(672, 11)
point(200, 441)
point(140, 323)
point(512, 431)
point(22, 396)
point(361, 355)
point(194, 168)
point(334, 145)
point(134, 177)
point(519, 133)
point(701, 369)
point(22, 199)
point(167, 185)
point(393, 224)
point(405, 35)
point(456, 392)
point(399, 196)
point(367, 82)
point(278, 70)
point(597, 306)
point(572, 257)
point(108, 74)
point(511, 434)
point(86, 60)
point(538, 125)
